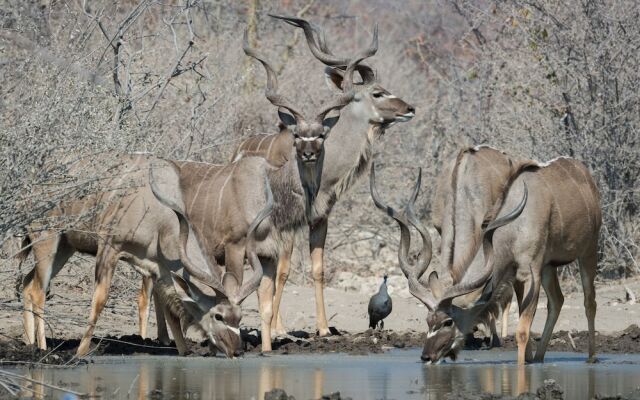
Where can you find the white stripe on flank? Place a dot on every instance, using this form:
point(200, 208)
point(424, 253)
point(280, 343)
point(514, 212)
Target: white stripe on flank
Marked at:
point(195, 197)
point(260, 143)
point(217, 213)
point(269, 148)
point(238, 156)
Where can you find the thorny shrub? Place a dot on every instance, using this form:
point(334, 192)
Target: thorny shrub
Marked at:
point(537, 78)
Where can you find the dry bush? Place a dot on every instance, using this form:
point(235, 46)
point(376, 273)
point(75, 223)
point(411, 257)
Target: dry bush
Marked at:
point(548, 79)
point(539, 79)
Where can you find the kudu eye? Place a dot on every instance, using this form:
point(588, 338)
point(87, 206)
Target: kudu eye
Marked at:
point(377, 95)
point(448, 322)
point(218, 317)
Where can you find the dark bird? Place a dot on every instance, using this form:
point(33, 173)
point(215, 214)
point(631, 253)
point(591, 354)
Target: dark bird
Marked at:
point(379, 306)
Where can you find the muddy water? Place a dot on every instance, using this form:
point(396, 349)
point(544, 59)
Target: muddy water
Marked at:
point(395, 375)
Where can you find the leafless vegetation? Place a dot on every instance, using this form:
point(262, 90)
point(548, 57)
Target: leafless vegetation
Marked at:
point(537, 78)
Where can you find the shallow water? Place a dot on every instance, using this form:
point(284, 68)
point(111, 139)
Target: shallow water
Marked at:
point(397, 374)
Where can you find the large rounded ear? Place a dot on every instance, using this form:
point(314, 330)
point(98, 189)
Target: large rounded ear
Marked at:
point(191, 295)
point(435, 285)
point(287, 119)
point(164, 179)
point(330, 122)
point(487, 292)
point(333, 77)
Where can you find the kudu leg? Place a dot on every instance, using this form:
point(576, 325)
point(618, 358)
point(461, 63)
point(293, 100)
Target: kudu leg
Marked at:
point(495, 339)
point(527, 313)
point(174, 324)
point(588, 265)
point(50, 256)
point(282, 274)
point(106, 261)
point(265, 302)
point(317, 237)
point(555, 299)
point(144, 304)
point(161, 323)
point(504, 324)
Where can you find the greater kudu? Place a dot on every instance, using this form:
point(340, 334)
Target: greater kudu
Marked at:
point(559, 225)
point(124, 220)
point(461, 239)
point(414, 273)
point(295, 181)
point(347, 157)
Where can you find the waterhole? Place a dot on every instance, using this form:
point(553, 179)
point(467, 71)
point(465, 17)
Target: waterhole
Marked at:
point(397, 374)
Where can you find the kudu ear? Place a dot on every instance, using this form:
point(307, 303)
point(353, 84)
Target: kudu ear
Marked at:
point(193, 300)
point(333, 77)
point(190, 292)
point(435, 285)
point(330, 122)
point(164, 179)
point(487, 292)
point(287, 119)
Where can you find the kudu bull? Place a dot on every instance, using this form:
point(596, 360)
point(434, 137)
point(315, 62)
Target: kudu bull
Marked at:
point(461, 241)
point(559, 225)
point(414, 273)
point(347, 156)
point(124, 220)
point(295, 182)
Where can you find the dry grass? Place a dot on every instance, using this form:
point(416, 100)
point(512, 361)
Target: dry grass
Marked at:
point(536, 78)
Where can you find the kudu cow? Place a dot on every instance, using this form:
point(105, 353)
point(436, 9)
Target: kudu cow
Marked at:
point(346, 158)
point(123, 220)
point(559, 225)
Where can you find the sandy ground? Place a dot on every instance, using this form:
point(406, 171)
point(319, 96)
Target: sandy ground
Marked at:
point(68, 309)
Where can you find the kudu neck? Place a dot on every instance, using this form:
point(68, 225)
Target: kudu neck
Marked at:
point(295, 186)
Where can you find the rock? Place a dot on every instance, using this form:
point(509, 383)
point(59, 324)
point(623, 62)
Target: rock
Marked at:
point(550, 390)
point(630, 297)
point(334, 396)
point(277, 394)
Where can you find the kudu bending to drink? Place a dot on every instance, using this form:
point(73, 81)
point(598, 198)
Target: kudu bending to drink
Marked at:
point(346, 158)
point(559, 225)
point(294, 182)
point(414, 273)
point(461, 240)
point(127, 220)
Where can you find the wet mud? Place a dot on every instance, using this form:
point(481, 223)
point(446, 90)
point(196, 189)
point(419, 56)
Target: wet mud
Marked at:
point(61, 352)
point(627, 341)
point(549, 390)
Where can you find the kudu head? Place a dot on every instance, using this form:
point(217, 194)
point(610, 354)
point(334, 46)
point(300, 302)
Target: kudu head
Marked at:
point(448, 323)
point(217, 317)
point(371, 100)
point(309, 134)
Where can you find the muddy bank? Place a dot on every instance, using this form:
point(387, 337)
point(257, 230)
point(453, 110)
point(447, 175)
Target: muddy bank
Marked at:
point(627, 341)
point(550, 390)
point(279, 394)
point(62, 352)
